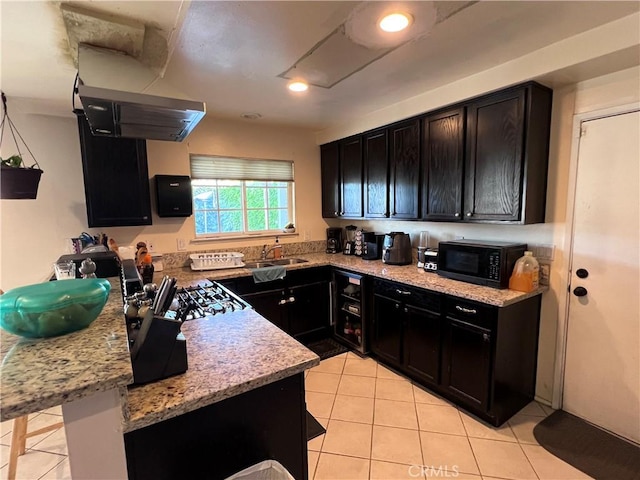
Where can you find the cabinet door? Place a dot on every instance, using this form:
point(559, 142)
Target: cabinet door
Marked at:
point(351, 178)
point(271, 305)
point(330, 173)
point(442, 165)
point(309, 309)
point(466, 362)
point(116, 180)
point(405, 169)
point(386, 333)
point(494, 157)
point(422, 343)
point(376, 175)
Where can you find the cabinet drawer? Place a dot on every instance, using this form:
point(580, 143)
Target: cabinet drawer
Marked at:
point(470, 312)
point(408, 294)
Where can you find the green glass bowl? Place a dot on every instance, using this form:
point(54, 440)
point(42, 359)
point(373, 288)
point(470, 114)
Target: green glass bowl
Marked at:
point(53, 308)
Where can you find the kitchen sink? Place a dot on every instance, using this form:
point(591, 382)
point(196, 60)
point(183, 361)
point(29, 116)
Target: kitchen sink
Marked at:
point(273, 262)
point(287, 261)
point(258, 264)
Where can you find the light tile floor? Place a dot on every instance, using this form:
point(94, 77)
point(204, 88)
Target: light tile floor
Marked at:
point(379, 426)
point(382, 426)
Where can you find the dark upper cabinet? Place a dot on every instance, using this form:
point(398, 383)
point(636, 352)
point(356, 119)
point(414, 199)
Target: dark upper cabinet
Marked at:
point(443, 165)
point(330, 174)
point(506, 158)
point(483, 160)
point(116, 179)
point(341, 172)
point(404, 164)
point(351, 184)
point(376, 174)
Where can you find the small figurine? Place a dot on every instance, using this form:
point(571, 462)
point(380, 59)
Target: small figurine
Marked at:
point(88, 268)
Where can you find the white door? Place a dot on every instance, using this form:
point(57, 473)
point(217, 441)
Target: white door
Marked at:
point(602, 369)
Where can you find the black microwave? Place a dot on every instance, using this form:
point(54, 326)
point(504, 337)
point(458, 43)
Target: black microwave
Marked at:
point(479, 261)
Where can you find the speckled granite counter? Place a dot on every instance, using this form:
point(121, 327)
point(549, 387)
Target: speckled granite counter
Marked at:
point(43, 373)
point(228, 355)
point(408, 274)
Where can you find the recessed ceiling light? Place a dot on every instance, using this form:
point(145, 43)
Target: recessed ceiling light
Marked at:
point(395, 22)
point(251, 116)
point(298, 86)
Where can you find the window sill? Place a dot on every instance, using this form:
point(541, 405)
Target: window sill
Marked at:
point(243, 237)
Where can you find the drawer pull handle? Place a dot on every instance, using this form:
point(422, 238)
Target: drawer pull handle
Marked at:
point(402, 292)
point(466, 310)
point(282, 302)
point(485, 337)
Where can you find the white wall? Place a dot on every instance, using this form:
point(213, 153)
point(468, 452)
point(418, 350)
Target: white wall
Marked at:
point(34, 232)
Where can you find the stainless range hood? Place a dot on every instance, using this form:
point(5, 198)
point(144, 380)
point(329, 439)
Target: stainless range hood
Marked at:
point(123, 98)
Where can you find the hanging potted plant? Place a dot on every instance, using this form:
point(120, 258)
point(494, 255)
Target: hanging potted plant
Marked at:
point(17, 181)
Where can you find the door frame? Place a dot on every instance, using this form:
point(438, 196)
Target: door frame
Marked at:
point(563, 299)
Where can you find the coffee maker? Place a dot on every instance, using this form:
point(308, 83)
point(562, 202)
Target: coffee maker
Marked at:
point(350, 242)
point(334, 239)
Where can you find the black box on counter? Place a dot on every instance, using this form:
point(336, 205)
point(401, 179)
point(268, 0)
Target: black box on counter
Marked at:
point(107, 263)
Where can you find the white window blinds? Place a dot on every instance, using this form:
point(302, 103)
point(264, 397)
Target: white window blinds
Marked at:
point(228, 168)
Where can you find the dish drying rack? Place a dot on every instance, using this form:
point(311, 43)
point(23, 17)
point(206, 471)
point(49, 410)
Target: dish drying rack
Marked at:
point(216, 261)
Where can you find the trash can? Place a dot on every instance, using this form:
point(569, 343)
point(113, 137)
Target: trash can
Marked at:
point(267, 470)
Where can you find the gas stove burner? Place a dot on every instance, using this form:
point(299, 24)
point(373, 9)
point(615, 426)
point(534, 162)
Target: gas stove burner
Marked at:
point(202, 301)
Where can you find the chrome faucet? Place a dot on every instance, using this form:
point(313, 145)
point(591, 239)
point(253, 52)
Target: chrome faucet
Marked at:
point(266, 251)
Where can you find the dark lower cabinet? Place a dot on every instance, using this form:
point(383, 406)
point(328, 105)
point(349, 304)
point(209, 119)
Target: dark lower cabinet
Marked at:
point(406, 329)
point(479, 356)
point(309, 311)
point(116, 179)
point(270, 305)
point(422, 343)
point(386, 341)
point(466, 359)
point(221, 439)
point(299, 304)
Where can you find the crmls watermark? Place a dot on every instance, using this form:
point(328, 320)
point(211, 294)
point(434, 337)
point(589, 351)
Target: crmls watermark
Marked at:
point(432, 471)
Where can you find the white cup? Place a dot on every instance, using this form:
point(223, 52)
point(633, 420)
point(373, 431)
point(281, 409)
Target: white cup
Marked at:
point(65, 270)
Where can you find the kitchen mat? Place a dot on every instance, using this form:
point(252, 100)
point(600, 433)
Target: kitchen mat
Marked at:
point(327, 348)
point(588, 448)
point(313, 427)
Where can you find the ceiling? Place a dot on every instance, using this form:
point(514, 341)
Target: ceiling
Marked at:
point(231, 54)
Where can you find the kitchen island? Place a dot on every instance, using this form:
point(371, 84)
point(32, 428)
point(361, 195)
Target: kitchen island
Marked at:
point(238, 356)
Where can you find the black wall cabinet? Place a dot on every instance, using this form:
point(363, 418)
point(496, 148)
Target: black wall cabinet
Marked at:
point(116, 179)
point(443, 165)
point(404, 161)
point(483, 160)
point(341, 165)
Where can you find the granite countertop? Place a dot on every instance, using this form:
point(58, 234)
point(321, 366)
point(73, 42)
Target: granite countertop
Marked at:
point(407, 274)
point(228, 355)
point(40, 373)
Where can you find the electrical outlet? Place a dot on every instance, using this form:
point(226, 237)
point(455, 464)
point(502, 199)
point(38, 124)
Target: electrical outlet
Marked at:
point(150, 248)
point(305, 235)
point(544, 274)
point(542, 252)
point(182, 244)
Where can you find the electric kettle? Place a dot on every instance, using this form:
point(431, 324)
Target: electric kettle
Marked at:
point(396, 249)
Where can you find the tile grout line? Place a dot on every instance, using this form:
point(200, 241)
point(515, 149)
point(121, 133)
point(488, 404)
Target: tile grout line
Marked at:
point(52, 468)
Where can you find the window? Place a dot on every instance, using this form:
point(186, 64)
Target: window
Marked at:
point(236, 196)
